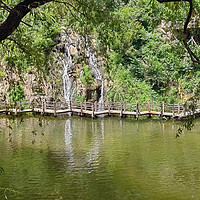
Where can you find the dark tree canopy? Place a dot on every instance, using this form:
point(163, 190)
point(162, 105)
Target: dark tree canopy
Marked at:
point(19, 11)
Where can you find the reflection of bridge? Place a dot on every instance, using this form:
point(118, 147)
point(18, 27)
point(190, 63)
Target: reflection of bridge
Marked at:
point(124, 109)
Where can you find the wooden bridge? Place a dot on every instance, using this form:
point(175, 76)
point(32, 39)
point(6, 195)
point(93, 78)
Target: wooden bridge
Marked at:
point(94, 109)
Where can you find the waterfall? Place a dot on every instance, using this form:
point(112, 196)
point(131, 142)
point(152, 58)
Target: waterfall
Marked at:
point(67, 80)
point(65, 52)
point(66, 62)
point(101, 100)
point(93, 64)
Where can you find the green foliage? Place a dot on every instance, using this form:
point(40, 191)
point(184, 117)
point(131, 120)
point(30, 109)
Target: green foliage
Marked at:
point(2, 74)
point(123, 86)
point(145, 61)
point(171, 96)
point(16, 94)
point(149, 53)
point(80, 98)
point(86, 76)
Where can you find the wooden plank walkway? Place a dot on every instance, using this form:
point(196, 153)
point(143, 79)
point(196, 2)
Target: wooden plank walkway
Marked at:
point(124, 109)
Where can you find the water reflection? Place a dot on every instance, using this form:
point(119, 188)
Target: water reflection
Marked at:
point(92, 154)
point(80, 158)
point(102, 128)
point(68, 142)
point(137, 126)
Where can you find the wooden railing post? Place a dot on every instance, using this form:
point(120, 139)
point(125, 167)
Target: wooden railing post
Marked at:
point(124, 106)
point(95, 106)
point(179, 108)
point(55, 109)
point(149, 106)
point(121, 112)
point(185, 108)
point(81, 108)
point(70, 106)
point(137, 110)
point(173, 114)
point(85, 106)
point(6, 107)
point(93, 110)
point(162, 109)
point(43, 107)
point(108, 108)
point(33, 105)
point(9, 107)
point(16, 108)
point(20, 106)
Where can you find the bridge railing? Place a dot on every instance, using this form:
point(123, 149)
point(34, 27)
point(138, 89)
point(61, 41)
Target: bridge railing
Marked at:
point(50, 105)
point(2, 105)
point(24, 105)
point(89, 106)
point(76, 105)
point(37, 103)
point(150, 108)
point(130, 107)
point(116, 106)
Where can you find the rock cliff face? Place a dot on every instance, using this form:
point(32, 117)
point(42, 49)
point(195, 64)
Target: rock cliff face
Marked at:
point(63, 78)
point(36, 83)
point(74, 52)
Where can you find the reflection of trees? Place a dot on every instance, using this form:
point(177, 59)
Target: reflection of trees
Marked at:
point(80, 160)
point(1, 170)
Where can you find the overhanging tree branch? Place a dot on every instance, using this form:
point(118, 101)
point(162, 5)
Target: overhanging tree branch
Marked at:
point(16, 15)
point(9, 10)
point(193, 57)
point(68, 5)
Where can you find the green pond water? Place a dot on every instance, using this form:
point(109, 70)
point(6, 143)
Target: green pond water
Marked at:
point(110, 158)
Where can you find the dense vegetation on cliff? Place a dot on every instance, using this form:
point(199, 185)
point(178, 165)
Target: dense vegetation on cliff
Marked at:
point(140, 42)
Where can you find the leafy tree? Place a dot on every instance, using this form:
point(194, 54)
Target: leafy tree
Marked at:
point(90, 9)
point(17, 93)
point(126, 32)
point(123, 86)
point(193, 56)
point(86, 76)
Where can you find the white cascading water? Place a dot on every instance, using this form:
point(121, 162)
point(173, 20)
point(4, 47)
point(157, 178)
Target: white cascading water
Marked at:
point(67, 81)
point(101, 100)
point(97, 73)
point(66, 60)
